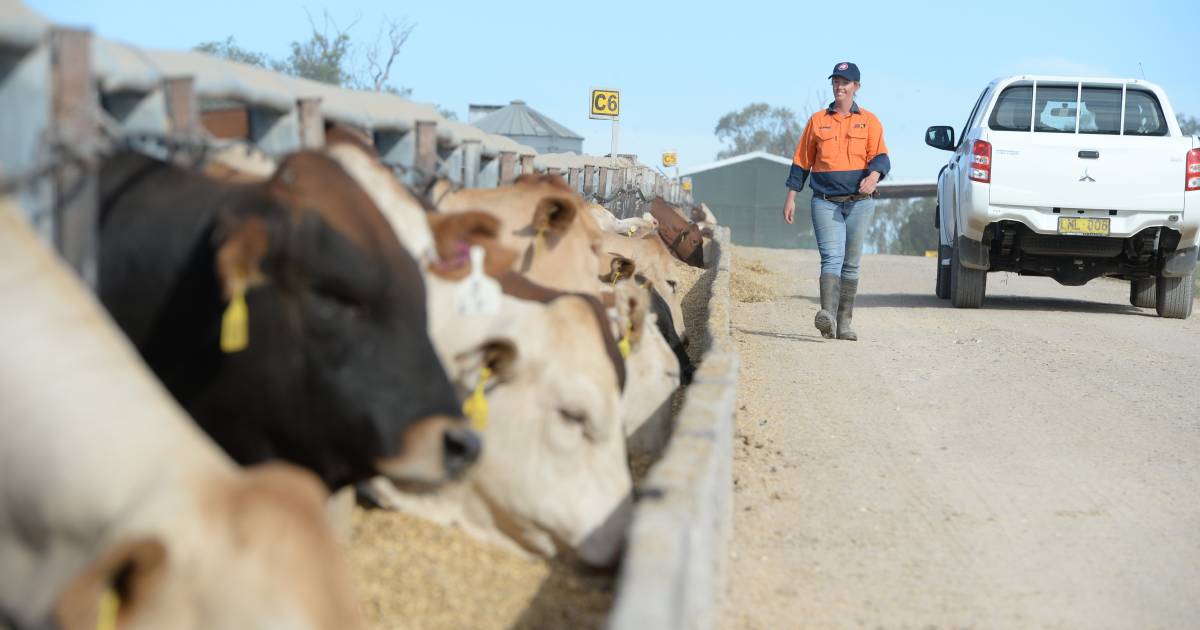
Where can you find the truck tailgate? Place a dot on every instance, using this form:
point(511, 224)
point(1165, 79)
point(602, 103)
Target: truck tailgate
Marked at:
point(1055, 170)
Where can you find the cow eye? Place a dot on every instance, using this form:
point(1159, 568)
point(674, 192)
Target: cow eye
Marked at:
point(674, 286)
point(573, 416)
point(331, 305)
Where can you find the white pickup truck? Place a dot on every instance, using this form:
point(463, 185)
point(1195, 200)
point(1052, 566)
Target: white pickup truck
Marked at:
point(1072, 178)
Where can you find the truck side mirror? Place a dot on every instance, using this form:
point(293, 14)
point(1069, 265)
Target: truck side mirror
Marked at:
point(940, 137)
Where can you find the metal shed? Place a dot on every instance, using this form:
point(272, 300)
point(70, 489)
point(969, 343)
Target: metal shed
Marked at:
point(526, 125)
point(746, 193)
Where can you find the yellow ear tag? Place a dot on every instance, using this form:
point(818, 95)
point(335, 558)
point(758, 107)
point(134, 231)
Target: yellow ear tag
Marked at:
point(616, 276)
point(475, 408)
point(623, 345)
point(109, 607)
point(235, 324)
point(539, 241)
point(632, 229)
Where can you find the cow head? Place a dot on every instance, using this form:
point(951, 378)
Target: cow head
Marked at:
point(338, 362)
point(555, 474)
point(655, 262)
point(265, 559)
point(546, 222)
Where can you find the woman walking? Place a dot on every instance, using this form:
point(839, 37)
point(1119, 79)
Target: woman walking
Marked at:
point(842, 150)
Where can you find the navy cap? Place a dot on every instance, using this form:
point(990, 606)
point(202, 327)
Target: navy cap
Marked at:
point(846, 70)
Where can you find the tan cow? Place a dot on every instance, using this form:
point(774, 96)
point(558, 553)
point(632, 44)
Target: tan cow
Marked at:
point(545, 221)
point(114, 506)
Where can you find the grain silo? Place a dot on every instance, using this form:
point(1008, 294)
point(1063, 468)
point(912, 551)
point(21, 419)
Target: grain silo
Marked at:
point(527, 126)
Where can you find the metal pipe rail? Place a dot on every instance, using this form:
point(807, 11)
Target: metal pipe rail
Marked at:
point(66, 91)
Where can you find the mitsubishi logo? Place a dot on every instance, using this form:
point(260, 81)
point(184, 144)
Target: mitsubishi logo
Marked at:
point(1086, 177)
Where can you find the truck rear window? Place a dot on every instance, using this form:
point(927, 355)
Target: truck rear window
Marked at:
point(1096, 109)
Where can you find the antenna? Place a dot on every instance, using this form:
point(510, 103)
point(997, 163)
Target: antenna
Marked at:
point(1141, 71)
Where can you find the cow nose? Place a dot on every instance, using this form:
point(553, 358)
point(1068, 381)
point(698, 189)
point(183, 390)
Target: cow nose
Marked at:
point(462, 448)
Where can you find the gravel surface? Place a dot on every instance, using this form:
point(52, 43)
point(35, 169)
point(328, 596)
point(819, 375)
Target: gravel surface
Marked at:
point(1033, 463)
point(413, 574)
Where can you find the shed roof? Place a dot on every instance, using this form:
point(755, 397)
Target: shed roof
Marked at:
point(737, 159)
point(519, 119)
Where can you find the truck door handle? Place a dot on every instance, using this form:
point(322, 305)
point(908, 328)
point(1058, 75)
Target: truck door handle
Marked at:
point(1089, 155)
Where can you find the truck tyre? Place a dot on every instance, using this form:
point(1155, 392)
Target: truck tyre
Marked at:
point(942, 289)
point(1173, 298)
point(1141, 293)
point(967, 286)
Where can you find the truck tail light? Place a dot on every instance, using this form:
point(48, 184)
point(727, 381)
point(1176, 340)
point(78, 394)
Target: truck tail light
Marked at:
point(981, 162)
point(1191, 179)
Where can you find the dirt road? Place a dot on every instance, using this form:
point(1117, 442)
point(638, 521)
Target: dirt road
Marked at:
point(1035, 463)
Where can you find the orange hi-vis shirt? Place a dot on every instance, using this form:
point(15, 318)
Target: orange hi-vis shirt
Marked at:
point(839, 151)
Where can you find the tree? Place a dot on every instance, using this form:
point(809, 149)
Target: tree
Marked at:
point(759, 127)
point(328, 55)
point(229, 49)
point(1189, 125)
point(323, 57)
point(380, 57)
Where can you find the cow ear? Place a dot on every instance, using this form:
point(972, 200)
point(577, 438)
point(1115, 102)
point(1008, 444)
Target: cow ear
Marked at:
point(453, 236)
point(498, 354)
point(437, 192)
point(241, 248)
point(555, 212)
point(112, 591)
point(616, 267)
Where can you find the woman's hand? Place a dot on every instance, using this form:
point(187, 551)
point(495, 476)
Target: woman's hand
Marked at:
point(789, 207)
point(867, 185)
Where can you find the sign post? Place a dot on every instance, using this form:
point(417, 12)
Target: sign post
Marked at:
point(606, 105)
point(671, 158)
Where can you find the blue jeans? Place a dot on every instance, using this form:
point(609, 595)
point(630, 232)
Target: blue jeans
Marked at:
point(840, 229)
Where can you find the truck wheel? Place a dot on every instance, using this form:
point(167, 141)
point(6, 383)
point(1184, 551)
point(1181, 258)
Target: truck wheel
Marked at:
point(1174, 297)
point(1141, 293)
point(967, 286)
point(942, 289)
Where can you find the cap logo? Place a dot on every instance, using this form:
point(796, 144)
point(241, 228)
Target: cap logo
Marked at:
point(843, 66)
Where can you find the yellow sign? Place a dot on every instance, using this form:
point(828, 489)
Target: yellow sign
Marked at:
point(606, 104)
point(687, 184)
point(670, 158)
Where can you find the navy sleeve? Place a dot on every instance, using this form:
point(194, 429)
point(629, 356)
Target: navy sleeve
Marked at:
point(796, 177)
point(880, 163)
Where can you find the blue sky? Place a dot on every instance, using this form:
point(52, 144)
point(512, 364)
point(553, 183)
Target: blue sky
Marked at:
point(681, 66)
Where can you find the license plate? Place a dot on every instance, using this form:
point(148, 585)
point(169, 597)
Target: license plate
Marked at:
point(1083, 226)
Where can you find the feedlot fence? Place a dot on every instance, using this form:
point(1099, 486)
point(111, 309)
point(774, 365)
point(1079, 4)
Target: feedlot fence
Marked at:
point(69, 96)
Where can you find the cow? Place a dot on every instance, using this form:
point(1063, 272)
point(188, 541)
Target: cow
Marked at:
point(555, 478)
point(284, 315)
point(634, 226)
point(684, 239)
point(704, 217)
point(115, 509)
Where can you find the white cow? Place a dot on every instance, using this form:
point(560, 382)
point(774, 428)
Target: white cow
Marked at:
point(637, 227)
point(114, 505)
